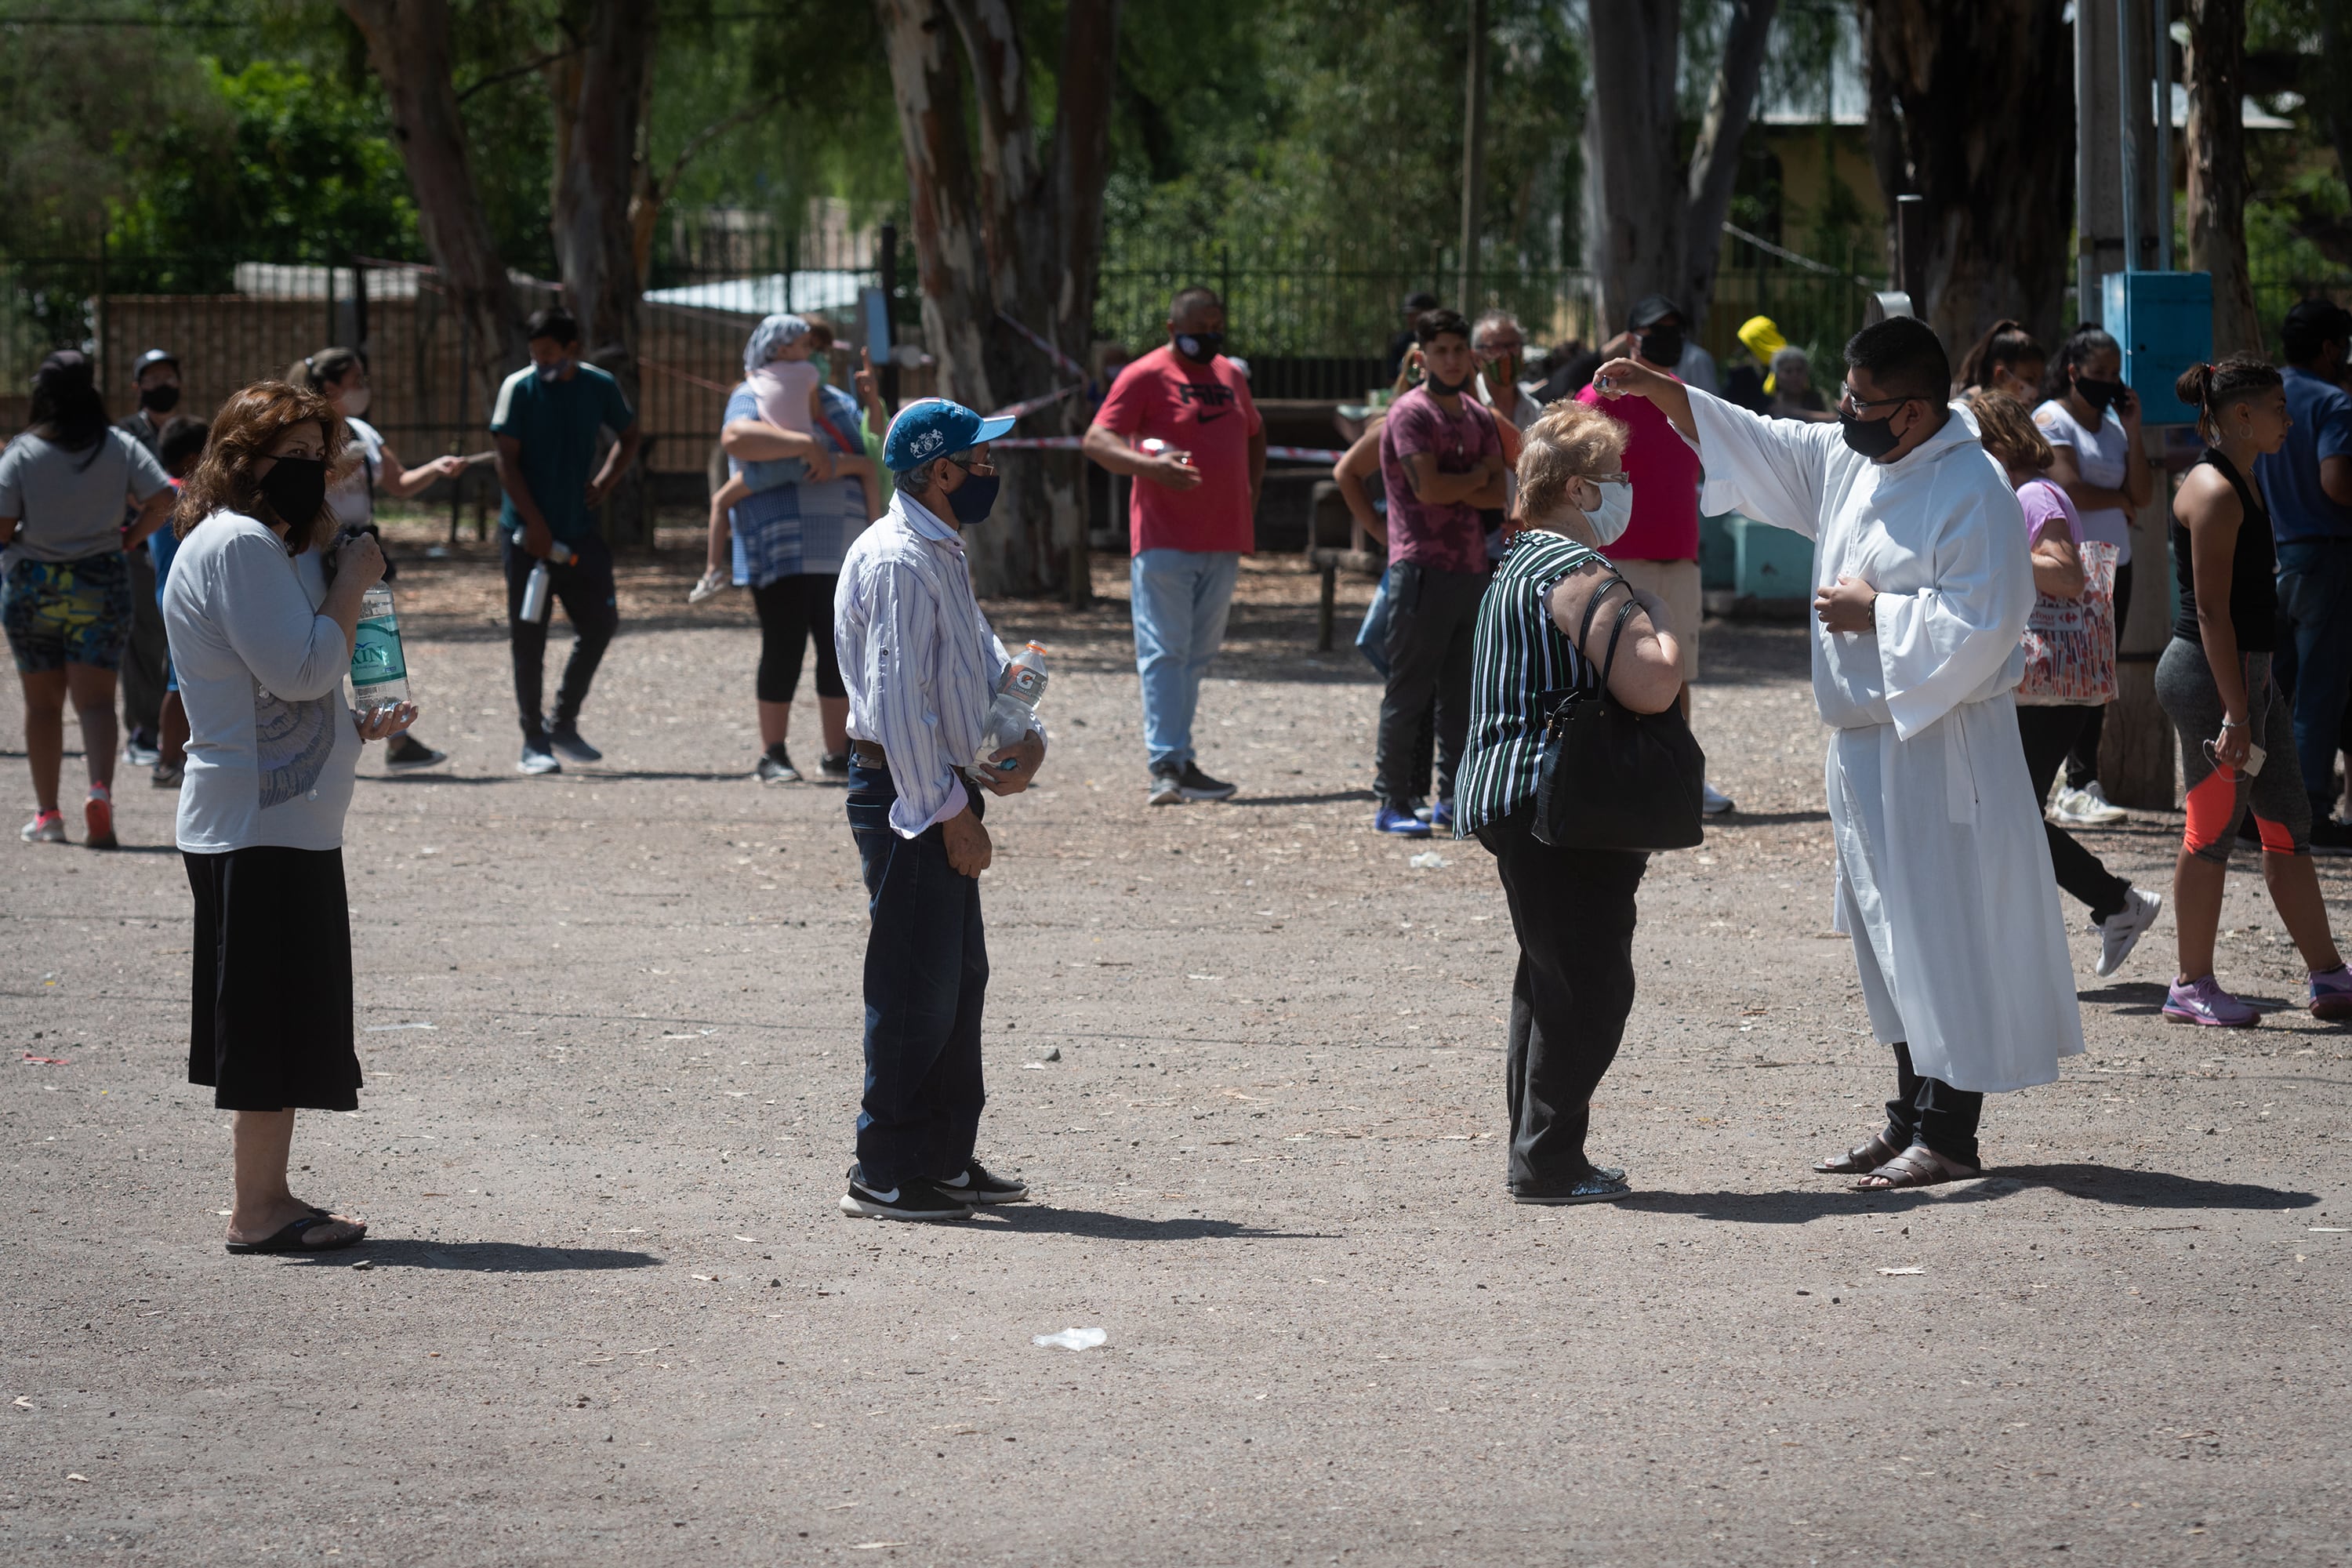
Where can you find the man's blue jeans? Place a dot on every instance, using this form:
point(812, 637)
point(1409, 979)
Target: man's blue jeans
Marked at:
point(925, 981)
point(1180, 598)
point(2315, 592)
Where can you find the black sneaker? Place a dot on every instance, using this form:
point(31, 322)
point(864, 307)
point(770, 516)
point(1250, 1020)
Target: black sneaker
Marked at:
point(565, 739)
point(910, 1199)
point(1198, 785)
point(1167, 788)
point(776, 767)
point(2329, 836)
point(407, 755)
point(834, 764)
point(978, 1185)
point(537, 758)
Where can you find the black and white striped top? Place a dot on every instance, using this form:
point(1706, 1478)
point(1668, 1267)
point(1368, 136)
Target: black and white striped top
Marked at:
point(1518, 654)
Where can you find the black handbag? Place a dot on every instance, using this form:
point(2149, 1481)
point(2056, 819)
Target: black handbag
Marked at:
point(1613, 778)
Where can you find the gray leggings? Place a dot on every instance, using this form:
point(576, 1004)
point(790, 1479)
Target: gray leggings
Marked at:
point(2218, 796)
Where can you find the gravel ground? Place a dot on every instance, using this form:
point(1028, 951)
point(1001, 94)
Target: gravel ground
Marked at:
point(1249, 1059)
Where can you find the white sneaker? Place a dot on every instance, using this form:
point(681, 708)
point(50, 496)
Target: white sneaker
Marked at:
point(712, 582)
point(1714, 802)
point(2087, 807)
point(2119, 933)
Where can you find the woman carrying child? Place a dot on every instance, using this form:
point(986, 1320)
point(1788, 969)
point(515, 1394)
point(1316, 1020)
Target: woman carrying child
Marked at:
point(798, 498)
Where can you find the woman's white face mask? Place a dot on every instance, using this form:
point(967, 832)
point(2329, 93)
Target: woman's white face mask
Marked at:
point(1610, 518)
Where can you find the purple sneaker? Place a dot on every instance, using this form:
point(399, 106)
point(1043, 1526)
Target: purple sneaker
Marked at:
point(2204, 1002)
point(2331, 993)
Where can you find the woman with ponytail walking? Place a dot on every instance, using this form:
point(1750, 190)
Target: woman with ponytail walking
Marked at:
point(2237, 734)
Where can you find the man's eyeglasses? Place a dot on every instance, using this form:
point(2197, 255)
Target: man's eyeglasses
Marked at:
point(1860, 407)
point(1498, 349)
point(980, 467)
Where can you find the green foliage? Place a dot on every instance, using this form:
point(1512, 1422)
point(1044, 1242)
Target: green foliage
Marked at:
point(308, 173)
point(1266, 141)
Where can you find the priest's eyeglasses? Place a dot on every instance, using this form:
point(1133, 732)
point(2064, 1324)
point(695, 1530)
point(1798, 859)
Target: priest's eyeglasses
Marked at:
point(1860, 407)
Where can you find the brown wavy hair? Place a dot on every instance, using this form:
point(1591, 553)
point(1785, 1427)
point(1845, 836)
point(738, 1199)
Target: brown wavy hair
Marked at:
point(243, 430)
point(2007, 431)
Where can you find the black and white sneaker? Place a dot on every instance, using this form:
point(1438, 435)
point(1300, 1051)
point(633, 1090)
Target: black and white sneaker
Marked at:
point(978, 1185)
point(407, 754)
point(537, 758)
point(910, 1199)
point(1198, 785)
point(833, 765)
point(776, 767)
point(1167, 788)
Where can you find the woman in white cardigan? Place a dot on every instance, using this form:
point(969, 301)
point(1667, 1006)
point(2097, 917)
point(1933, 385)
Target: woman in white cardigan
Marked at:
point(261, 625)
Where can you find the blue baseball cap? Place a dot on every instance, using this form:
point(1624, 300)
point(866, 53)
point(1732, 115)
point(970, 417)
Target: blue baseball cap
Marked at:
point(932, 427)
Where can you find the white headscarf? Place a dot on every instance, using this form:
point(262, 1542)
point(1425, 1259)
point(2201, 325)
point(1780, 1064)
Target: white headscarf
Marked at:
point(770, 335)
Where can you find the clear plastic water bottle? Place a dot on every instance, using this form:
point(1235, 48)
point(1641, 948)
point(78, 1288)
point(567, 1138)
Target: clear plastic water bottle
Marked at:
point(1016, 701)
point(379, 672)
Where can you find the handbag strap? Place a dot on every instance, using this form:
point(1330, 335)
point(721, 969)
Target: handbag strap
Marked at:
point(1591, 608)
point(1617, 630)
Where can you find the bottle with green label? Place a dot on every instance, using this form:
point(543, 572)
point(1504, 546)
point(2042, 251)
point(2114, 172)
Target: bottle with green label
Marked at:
point(379, 673)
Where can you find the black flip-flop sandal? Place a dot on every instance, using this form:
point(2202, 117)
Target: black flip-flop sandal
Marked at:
point(290, 1238)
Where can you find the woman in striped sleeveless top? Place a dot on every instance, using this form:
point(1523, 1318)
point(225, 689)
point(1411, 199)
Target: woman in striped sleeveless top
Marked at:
point(1571, 910)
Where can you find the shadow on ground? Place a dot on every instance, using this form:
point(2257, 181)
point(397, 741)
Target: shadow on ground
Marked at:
point(2099, 1183)
point(1095, 1222)
point(478, 1257)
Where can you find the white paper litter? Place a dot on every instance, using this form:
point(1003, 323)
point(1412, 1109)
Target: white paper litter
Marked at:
point(1074, 1339)
point(1913, 1270)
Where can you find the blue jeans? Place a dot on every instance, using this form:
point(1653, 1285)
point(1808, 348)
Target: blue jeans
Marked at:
point(1180, 598)
point(2315, 593)
point(925, 981)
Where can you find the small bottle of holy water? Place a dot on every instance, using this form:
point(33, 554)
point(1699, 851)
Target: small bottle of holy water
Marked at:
point(379, 672)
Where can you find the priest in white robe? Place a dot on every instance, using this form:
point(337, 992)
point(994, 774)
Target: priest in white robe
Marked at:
point(1922, 587)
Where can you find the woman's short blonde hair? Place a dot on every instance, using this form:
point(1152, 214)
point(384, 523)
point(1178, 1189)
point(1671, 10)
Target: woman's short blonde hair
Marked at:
point(1572, 441)
point(2007, 431)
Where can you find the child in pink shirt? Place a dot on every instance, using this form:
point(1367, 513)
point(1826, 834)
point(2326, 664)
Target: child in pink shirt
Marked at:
point(780, 368)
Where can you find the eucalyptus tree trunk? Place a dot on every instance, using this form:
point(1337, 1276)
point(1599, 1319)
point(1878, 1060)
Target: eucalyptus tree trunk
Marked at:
point(2217, 170)
point(1715, 160)
point(1655, 219)
point(408, 46)
point(1008, 224)
point(1972, 107)
point(601, 91)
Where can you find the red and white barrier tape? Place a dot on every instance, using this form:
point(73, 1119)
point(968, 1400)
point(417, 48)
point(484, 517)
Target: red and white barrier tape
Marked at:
point(1031, 405)
point(1070, 444)
point(1068, 366)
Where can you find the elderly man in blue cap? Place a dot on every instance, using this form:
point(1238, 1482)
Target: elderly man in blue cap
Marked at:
point(922, 668)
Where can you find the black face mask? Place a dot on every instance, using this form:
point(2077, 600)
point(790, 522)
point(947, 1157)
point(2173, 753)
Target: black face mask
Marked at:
point(1438, 388)
point(1200, 347)
point(2099, 394)
point(296, 488)
point(1873, 438)
point(1663, 345)
point(162, 399)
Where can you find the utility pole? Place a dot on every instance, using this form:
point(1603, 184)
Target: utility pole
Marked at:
point(2124, 192)
point(1474, 155)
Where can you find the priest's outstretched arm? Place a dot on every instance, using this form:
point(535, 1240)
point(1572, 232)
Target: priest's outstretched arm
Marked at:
point(1773, 471)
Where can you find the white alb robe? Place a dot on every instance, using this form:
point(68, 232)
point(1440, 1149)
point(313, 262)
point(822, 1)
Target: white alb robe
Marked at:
point(1944, 876)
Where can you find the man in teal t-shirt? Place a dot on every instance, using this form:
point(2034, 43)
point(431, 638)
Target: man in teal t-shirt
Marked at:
point(545, 424)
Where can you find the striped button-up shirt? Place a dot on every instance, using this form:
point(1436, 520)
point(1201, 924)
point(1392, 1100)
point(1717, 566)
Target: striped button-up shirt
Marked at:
point(920, 662)
point(1518, 654)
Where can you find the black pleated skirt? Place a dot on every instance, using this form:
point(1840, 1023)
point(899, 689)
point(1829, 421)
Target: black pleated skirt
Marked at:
point(270, 1024)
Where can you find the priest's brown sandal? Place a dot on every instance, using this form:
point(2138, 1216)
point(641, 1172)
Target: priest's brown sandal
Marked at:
point(1917, 1166)
point(1858, 1161)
